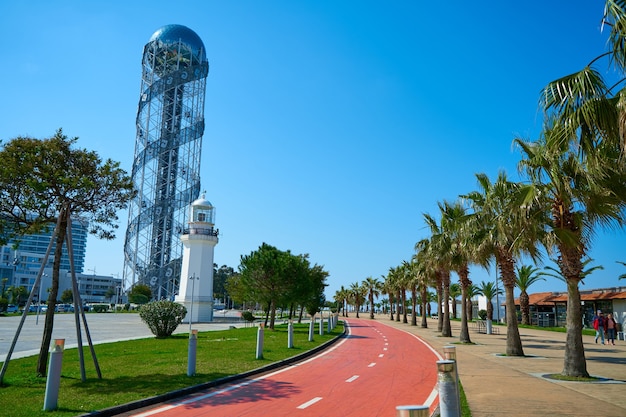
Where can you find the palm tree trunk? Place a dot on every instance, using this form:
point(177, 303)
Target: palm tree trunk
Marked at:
point(464, 336)
point(446, 330)
point(398, 300)
point(404, 315)
point(424, 304)
point(414, 306)
point(439, 303)
point(575, 364)
point(371, 305)
point(513, 340)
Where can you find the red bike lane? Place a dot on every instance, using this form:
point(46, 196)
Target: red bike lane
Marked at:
point(371, 371)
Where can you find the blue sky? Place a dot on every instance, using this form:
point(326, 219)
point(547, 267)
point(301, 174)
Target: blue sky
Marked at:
point(331, 126)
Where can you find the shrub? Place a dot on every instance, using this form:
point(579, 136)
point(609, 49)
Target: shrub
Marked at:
point(482, 314)
point(247, 316)
point(162, 317)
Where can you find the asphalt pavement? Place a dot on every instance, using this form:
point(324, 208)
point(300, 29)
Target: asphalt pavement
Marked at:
point(103, 328)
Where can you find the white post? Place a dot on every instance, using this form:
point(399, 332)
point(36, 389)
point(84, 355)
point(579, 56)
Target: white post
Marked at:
point(448, 389)
point(259, 342)
point(311, 328)
point(53, 380)
point(191, 353)
point(321, 324)
point(290, 335)
point(449, 353)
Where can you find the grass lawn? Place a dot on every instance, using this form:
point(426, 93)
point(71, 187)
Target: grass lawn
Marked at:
point(136, 369)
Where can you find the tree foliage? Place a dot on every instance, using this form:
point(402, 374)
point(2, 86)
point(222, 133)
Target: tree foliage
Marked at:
point(275, 278)
point(140, 294)
point(41, 179)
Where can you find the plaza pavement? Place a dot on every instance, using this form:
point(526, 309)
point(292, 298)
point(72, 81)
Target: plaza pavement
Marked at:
point(103, 328)
point(497, 385)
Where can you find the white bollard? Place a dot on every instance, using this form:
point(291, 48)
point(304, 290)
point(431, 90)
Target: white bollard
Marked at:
point(259, 342)
point(448, 389)
point(311, 328)
point(321, 325)
point(488, 327)
point(191, 353)
point(290, 335)
point(330, 319)
point(53, 380)
point(412, 411)
point(449, 353)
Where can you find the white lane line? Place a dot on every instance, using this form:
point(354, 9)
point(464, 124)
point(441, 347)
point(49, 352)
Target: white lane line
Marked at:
point(371, 365)
point(309, 403)
point(243, 384)
point(353, 378)
point(384, 348)
point(381, 355)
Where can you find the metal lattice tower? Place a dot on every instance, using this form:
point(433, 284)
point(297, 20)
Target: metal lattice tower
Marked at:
point(166, 166)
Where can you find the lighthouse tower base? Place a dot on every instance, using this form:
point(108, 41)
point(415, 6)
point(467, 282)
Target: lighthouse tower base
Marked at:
point(202, 311)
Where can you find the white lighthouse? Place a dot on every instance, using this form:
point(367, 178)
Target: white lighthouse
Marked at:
point(196, 279)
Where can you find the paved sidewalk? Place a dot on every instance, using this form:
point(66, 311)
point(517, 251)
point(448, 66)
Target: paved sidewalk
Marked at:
point(497, 385)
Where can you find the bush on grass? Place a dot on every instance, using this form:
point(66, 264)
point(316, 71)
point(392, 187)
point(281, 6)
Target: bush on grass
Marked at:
point(162, 317)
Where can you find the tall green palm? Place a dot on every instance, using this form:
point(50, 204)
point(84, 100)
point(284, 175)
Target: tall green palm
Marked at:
point(489, 291)
point(438, 247)
point(430, 263)
point(507, 235)
point(556, 273)
point(473, 291)
point(341, 297)
point(425, 275)
point(456, 224)
point(455, 291)
point(527, 275)
point(582, 192)
point(373, 287)
point(358, 294)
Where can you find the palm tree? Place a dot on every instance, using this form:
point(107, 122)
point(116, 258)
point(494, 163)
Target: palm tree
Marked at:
point(489, 291)
point(556, 273)
point(341, 296)
point(384, 303)
point(526, 276)
point(472, 292)
point(357, 293)
point(455, 291)
point(507, 235)
point(456, 224)
point(438, 250)
point(583, 140)
point(430, 263)
point(373, 287)
point(581, 192)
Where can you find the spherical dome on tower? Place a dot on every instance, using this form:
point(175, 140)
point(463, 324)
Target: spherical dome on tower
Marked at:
point(171, 34)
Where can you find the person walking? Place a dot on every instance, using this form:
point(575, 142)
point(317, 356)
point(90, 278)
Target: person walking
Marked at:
point(610, 325)
point(598, 325)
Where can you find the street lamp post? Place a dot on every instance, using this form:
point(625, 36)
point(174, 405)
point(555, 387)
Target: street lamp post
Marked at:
point(39, 306)
point(193, 287)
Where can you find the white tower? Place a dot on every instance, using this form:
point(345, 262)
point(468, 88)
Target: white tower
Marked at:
point(196, 279)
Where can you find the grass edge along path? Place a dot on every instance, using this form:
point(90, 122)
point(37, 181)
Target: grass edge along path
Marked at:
point(139, 373)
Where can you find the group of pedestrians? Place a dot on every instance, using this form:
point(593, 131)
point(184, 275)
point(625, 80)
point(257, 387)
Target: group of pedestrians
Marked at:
point(605, 325)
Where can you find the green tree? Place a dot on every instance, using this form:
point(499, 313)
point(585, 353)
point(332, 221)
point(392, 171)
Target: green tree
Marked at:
point(373, 287)
point(67, 296)
point(581, 193)
point(489, 291)
point(507, 235)
point(582, 166)
point(357, 296)
point(527, 275)
point(41, 181)
point(139, 294)
point(221, 276)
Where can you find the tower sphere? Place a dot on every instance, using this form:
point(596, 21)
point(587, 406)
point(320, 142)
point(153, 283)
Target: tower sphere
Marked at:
point(168, 38)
